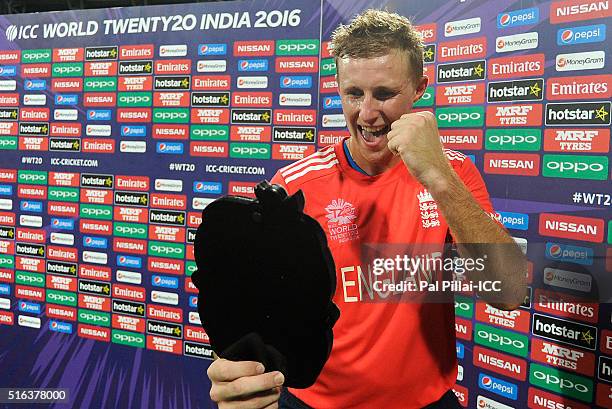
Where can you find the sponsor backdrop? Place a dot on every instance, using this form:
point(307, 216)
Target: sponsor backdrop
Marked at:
point(118, 126)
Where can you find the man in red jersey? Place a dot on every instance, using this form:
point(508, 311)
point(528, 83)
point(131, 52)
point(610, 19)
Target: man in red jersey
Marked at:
point(391, 181)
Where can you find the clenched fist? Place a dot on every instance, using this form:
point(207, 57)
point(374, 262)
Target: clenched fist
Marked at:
point(415, 138)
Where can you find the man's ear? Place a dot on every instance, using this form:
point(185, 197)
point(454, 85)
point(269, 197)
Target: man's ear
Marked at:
point(421, 86)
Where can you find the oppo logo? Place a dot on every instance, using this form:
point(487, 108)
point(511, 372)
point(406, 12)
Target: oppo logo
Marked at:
point(459, 116)
point(297, 47)
point(243, 150)
point(130, 230)
point(166, 250)
point(501, 340)
point(574, 167)
point(209, 132)
point(562, 383)
point(513, 139)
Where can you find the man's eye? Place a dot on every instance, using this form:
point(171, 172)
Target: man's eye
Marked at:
point(384, 96)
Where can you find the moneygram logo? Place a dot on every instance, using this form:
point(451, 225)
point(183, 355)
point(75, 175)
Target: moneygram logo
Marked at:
point(462, 27)
point(581, 35)
point(460, 117)
point(524, 41)
point(567, 279)
point(523, 17)
point(591, 60)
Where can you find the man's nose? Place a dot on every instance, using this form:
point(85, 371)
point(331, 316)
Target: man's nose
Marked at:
point(369, 109)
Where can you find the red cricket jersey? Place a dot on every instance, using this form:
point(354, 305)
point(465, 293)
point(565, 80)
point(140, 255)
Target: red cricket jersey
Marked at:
point(385, 355)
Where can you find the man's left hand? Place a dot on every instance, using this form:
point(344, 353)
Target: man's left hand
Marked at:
point(415, 138)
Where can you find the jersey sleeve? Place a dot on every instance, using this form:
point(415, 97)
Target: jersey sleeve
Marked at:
point(279, 180)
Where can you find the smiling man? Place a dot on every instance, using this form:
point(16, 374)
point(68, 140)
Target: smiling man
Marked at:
point(391, 181)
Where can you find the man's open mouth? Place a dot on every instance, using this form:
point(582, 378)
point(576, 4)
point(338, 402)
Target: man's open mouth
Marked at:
point(370, 133)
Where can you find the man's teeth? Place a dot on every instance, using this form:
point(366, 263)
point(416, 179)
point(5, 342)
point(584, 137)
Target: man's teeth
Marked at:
point(374, 131)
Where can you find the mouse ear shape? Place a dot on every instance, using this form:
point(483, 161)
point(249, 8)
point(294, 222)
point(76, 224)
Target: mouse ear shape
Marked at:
point(266, 280)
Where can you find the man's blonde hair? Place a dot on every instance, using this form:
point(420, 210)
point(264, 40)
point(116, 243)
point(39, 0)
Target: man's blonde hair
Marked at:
point(374, 33)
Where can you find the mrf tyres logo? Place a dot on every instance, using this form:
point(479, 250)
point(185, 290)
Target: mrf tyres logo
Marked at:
point(507, 91)
point(464, 71)
point(564, 331)
point(578, 113)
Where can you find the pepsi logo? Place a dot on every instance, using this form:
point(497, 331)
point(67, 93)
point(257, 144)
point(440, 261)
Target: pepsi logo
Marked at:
point(126, 130)
point(92, 114)
point(203, 49)
point(88, 240)
point(157, 280)
point(287, 81)
point(487, 382)
point(328, 101)
point(567, 36)
point(199, 186)
point(60, 98)
point(26, 205)
point(162, 146)
point(555, 250)
point(23, 305)
point(55, 222)
point(504, 20)
point(28, 84)
point(54, 324)
point(244, 64)
point(122, 259)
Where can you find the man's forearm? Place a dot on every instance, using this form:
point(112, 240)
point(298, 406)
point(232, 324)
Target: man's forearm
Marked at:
point(471, 226)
